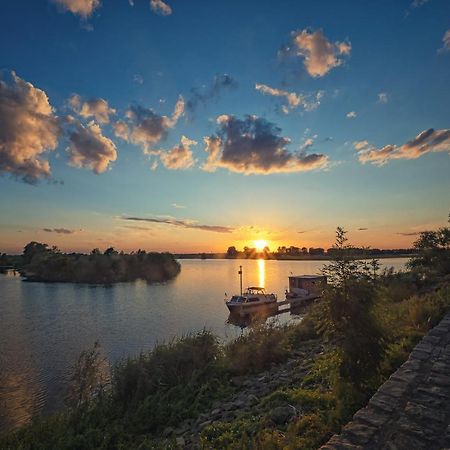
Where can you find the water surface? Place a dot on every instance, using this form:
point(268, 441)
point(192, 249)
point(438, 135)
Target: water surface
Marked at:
point(45, 326)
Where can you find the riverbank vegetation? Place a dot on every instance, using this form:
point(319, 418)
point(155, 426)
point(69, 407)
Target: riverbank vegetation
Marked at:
point(364, 328)
point(39, 262)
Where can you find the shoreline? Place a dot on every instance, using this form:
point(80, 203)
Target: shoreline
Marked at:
point(222, 256)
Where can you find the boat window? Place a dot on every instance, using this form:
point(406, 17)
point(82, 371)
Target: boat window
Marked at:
point(253, 299)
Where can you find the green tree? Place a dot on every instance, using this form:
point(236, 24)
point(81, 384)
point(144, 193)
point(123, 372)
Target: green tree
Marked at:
point(433, 253)
point(111, 251)
point(34, 248)
point(346, 316)
point(89, 378)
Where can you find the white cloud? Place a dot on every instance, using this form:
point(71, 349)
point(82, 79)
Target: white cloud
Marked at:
point(178, 157)
point(351, 115)
point(361, 145)
point(145, 127)
point(161, 8)
point(320, 55)
point(383, 97)
point(418, 3)
point(427, 141)
point(121, 129)
point(89, 148)
point(28, 129)
point(446, 41)
point(83, 8)
point(294, 100)
point(93, 107)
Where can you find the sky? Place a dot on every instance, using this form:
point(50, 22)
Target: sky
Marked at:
point(190, 126)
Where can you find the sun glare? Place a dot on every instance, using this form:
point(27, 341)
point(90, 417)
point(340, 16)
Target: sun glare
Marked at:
point(260, 244)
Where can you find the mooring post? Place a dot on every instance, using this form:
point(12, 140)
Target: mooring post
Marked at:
point(240, 277)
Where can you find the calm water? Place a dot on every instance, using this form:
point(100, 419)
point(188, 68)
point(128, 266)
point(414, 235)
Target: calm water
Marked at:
point(44, 327)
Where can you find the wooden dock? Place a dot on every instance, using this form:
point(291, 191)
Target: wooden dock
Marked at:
point(292, 303)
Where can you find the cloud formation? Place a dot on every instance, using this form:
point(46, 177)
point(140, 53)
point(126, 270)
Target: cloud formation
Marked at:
point(418, 3)
point(320, 55)
point(410, 233)
point(60, 230)
point(182, 223)
point(427, 141)
point(294, 100)
point(351, 115)
point(94, 107)
point(446, 42)
point(382, 97)
point(121, 129)
point(361, 145)
point(178, 157)
point(254, 146)
point(161, 8)
point(28, 129)
point(145, 127)
point(88, 147)
point(202, 96)
point(83, 8)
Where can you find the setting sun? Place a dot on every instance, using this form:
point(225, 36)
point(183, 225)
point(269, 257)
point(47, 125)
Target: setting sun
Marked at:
point(260, 244)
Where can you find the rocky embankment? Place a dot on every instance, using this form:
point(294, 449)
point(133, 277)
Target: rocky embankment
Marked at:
point(411, 410)
point(246, 401)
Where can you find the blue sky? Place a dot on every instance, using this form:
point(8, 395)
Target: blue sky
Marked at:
point(385, 81)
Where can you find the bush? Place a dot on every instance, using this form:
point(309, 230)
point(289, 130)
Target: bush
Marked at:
point(257, 350)
point(185, 361)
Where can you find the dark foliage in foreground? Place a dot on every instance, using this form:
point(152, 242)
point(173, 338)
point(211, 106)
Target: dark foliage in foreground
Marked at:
point(41, 263)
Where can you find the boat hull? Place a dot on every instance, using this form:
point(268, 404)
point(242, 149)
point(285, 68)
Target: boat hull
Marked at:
point(249, 308)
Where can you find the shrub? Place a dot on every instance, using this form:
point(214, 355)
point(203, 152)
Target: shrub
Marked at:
point(257, 350)
point(184, 361)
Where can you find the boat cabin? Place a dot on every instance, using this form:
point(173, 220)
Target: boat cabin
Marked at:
point(307, 284)
point(254, 290)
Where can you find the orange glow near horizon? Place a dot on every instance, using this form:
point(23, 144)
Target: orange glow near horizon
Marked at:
point(260, 244)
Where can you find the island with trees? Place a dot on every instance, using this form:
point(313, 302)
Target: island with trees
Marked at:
point(39, 262)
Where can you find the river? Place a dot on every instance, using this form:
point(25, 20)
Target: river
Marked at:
point(45, 326)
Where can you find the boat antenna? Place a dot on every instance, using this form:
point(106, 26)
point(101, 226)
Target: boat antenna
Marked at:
point(240, 277)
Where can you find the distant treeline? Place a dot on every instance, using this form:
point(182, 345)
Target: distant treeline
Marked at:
point(39, 262)
point(312, 253)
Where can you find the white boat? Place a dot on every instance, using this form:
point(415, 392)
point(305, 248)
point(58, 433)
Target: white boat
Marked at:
point(253, 299)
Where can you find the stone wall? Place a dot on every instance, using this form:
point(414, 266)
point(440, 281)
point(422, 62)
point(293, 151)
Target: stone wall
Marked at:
point(411, 410)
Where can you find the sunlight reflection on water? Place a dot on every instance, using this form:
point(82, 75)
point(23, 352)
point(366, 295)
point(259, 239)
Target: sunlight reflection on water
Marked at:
point(262, 272)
